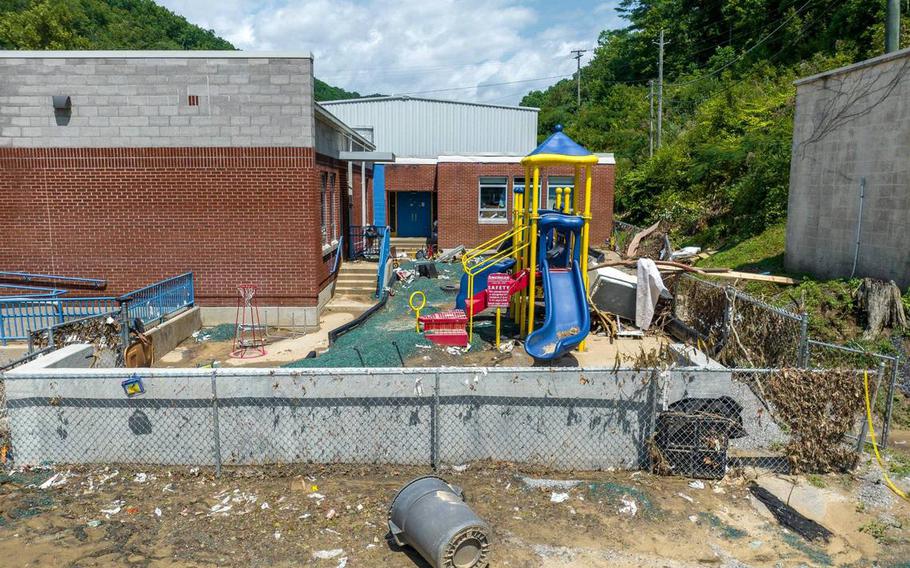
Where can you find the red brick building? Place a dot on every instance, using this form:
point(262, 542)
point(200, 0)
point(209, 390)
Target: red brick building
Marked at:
point(135, 166)
point(457, 164)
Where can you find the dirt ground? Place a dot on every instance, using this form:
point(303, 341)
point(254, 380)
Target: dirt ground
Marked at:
point(336, 517)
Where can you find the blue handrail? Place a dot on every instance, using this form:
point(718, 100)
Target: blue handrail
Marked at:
point(338, 254)
point(384, 253)
point(29, 276)
point(156, 301)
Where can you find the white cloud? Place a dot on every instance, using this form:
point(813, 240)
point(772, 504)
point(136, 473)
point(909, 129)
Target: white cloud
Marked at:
point(412, 46)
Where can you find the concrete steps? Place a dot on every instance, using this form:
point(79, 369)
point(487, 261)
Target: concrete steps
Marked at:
point(357, 280)
point(408, 245)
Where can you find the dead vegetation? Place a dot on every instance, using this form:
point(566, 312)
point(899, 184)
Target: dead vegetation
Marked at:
point(819, 408)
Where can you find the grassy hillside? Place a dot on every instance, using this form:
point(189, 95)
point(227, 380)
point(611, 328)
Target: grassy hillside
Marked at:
point(111, 24)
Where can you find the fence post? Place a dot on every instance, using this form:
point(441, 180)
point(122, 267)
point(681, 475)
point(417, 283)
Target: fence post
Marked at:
point(889, 404)
point(2, 328)
point(803, 355)
point(124, 329)
point(216, 429)
point(434, 426)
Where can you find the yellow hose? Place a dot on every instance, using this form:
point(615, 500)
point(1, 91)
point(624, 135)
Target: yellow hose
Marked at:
point(897, 491)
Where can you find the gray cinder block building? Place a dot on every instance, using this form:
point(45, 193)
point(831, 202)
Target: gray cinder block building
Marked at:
point(849, 203)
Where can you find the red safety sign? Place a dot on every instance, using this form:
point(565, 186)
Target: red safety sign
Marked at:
point(498, 286)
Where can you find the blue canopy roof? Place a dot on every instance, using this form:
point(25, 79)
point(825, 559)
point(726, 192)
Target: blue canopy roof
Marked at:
point(560, 144)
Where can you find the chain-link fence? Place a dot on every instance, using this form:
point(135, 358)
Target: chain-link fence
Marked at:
point(738, 329)
point(694, 422)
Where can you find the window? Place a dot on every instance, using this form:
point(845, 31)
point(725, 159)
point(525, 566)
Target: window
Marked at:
point(519, 182)
point(328, 195)
point(323, 207)
point(493, 196)
point(564, 182)
point(193, 100)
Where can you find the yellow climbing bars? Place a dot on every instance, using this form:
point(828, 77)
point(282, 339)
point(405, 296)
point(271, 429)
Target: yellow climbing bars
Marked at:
point(486, 255)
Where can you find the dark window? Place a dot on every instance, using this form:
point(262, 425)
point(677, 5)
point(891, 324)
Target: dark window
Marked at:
point(193, 100)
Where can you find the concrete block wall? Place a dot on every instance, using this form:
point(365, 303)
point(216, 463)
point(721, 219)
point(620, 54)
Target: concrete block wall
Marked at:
point(852, 124)
point(142, 99)
point(560, 418)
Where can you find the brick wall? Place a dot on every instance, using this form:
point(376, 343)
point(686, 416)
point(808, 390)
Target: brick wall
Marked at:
point(132, 216)
point(410, 177)
point(458, 187)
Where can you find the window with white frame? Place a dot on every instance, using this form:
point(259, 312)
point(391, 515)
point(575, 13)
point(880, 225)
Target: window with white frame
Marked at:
point(333, 215)
point(564, 182)
point(494, 193)
point(328, 215)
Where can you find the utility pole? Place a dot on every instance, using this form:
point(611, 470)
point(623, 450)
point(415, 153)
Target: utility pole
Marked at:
point(893, 26)
point(660, 89)
point(578, 53)
point(651, 122)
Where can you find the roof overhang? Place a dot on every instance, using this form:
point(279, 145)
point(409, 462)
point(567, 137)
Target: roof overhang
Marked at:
point(154, 54)
point(378, 157)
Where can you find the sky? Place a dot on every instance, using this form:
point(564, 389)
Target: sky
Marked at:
point(453, 49)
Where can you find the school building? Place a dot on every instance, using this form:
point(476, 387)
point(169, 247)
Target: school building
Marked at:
point(457, 164)
point(133, 166)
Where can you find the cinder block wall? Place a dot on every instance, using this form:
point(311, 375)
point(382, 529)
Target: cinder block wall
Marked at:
point(458, 188)
point(143, 100)
point(138, 184)
point(851, 124)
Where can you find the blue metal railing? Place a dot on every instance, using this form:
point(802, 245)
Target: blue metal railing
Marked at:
point(365, 242)
point(30, 292)
point(156, 301)
point(384, 253)
point(21, 316)
point(31, 277)
point(339, 252)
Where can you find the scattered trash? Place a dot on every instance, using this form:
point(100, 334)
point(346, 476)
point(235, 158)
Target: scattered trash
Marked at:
point(277, 535)
point(328, 554)
point(558, 497)
point(141, 478)
point(460, 468)
point(565, 484)
point(697, 484)
point(343, 562)
point(506, 346)
point(94, 523)
point(628, 506)
point(693, 518)
point(685, 252)
point(114, 508)
point(56, 480)
point(264, 506)
point(686, 497)
point(157, 512)
point(330, 514)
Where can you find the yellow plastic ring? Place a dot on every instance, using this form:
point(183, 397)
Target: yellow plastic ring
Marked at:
point(423, 303)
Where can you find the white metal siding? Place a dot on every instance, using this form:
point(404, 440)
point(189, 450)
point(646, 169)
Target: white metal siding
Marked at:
point(427, 128)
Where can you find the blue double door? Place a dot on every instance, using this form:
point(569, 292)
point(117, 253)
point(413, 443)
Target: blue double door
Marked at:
point(414, 213)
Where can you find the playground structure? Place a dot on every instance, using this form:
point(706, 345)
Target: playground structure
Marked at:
point(545, 245)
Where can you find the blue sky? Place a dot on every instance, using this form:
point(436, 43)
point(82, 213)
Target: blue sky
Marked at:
point(434, 48)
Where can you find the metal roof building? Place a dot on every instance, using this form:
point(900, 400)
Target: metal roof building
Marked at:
point(426, 128)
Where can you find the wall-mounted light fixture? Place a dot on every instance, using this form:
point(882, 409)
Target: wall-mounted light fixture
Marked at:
point(63, 108)
point(62, 102)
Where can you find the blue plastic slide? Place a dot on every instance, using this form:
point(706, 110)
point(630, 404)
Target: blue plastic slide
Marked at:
point(567, 320)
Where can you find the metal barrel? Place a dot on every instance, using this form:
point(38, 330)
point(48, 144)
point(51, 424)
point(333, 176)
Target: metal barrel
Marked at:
point(431, 516)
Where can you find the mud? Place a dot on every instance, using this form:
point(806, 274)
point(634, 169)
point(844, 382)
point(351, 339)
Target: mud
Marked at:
point(294, 516)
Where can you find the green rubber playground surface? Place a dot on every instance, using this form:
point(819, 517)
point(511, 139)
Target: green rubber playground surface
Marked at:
point(394, 326)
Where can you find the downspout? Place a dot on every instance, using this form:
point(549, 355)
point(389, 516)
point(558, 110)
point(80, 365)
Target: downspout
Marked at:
point(363, 194)
point(859, 223)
